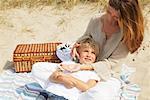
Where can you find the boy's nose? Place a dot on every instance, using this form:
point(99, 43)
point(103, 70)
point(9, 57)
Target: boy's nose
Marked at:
point(89, 54)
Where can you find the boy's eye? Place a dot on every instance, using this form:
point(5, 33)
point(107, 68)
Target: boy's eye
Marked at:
point(86, 51)
point(93, 53)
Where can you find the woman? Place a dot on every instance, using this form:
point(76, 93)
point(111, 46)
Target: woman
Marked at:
point(119, 31)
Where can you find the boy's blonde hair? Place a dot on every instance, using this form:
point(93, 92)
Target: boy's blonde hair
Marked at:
point(88, 42)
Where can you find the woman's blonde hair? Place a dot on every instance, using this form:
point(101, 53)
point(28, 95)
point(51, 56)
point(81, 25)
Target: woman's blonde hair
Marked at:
point(89, 42)
point(132, 22)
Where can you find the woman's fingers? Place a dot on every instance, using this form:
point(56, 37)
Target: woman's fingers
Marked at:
point(74, 53)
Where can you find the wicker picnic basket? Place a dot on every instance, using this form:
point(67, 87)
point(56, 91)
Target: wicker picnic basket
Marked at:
point(25, 55)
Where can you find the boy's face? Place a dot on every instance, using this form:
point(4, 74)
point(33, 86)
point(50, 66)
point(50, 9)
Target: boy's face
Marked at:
point(87, 55)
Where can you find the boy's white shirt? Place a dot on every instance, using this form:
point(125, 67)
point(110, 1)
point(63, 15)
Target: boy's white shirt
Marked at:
point(73, 93)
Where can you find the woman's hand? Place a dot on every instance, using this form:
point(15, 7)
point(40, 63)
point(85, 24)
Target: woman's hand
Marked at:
point(70, 67)
point(74, 52)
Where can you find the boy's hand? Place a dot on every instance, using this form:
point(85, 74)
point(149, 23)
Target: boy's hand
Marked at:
point(55, 76)
point(67, 81)
point(61, 78)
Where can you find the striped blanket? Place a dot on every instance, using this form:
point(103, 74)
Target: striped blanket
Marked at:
point(9, 81)
point(33, 91)
point(22, 86)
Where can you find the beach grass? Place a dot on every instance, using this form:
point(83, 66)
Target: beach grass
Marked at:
point(67, 4)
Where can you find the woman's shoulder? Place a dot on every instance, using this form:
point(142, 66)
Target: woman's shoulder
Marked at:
point(98, 16)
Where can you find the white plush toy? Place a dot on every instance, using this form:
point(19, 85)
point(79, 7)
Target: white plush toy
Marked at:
point(63, 52)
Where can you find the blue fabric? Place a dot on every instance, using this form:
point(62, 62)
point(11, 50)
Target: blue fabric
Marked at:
point(34, 90)
point(129, 90)
point(44, 95)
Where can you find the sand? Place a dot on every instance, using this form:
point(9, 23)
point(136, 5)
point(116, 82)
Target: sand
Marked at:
point(47, 24)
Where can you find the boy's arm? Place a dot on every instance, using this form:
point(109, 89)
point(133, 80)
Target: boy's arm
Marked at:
point(79, 84)
point(83, 86)
point(59, 78)
point(69, 81)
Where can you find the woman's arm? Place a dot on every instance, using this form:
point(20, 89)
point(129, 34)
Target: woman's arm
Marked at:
point(76, 67)
point(111, 66)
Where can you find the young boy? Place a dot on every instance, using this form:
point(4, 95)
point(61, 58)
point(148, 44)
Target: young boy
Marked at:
point(81, 80)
